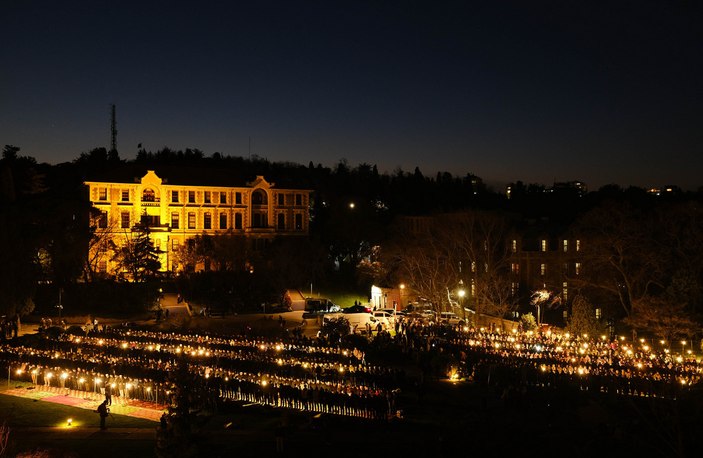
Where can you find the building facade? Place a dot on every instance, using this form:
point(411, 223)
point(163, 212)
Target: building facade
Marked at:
point(174, 214)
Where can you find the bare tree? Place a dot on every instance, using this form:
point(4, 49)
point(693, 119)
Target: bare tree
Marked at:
point(622, 256)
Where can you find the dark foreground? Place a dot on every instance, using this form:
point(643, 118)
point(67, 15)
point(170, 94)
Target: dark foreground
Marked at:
point(450, 419)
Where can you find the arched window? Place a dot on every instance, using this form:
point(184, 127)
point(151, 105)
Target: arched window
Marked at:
point(258, 197)
point(148, 195)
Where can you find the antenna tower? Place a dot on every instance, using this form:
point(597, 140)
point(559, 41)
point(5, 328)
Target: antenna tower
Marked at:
point(113, 129)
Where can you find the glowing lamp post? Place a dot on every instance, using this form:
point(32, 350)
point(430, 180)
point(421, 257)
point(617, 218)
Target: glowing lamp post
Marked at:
point(462, 293)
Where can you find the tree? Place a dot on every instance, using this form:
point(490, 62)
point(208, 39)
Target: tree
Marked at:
point(138, 256)
point(664, 318)
point(583, 318)
point(176, 436)
point(622, 253)
point(478, 240)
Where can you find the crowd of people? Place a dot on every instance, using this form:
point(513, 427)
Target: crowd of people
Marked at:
point(315, 375)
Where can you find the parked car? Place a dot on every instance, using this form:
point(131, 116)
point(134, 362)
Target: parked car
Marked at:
point(357, 309)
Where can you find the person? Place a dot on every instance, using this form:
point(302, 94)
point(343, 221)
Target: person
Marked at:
point(108, 394)
point(103, 412)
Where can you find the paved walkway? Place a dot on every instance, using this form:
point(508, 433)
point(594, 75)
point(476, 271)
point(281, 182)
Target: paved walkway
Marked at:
point(90, 401)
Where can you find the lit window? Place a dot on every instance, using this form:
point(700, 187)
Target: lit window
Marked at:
point(566, 246)
point(578, 245)
point(514, 288)
point(473, 266)
point(543, 269)
point(543, 245)
point(191, 220)
point(599, 313)
point(577, 268)
point(175, 220)
point(565, 291)
point(515, 268)
point(513, 246)
point(175, 244)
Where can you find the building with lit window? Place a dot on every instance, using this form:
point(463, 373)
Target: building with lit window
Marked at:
point(175, 211)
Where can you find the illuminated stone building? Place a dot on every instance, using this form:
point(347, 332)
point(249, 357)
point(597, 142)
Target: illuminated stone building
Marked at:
point(176, 212)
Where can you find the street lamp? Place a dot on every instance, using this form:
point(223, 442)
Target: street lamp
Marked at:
point(461, 292)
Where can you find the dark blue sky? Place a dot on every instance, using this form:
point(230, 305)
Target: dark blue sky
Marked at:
point(531, 91)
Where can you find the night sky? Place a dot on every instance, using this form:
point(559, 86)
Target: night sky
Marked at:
point(605, 92)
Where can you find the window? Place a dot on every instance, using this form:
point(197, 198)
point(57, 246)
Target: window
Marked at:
point(102, 266)
point(191, 197)
point(543, 245)
point(513, 246)
point(565, 291)
point(258, 197)
point(175, 244)
point(298, 222)
point(578, 245)
point(565, 314)
point(191, 220)
point(515, 268)
point(514, 287)
point(281, 199)
point(148, 195)
point(223, 220)
point(223, 197)
point(577, 268)
point(566, 246)
point(125, 195)
point(599, 313)
point(281, 221)
point(174, 196)
point(299, 199)
point(102, 193)
point(543, 269)
point(207, 221)
point(473, 267)
point(124, 219)
point(102, 220)
point(206, 197)
point(175, 220)
point(238, 198)
point(237, 220)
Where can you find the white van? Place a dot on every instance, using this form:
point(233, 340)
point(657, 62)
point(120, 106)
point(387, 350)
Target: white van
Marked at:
point(357, 321)
point(450, 318)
